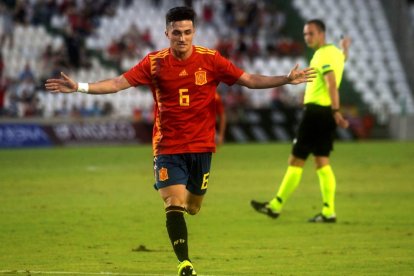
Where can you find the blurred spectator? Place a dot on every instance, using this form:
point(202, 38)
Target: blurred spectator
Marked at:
point(107, 109)
point(278, 94)
point(84, 111)
point(284, 99)
point(147, 39)
point(42, 12)
point(286, 46)
point(277, 20)
point(137, 114)
point(156, 3)
point(130, 45)
point(48, 56)
point(254, 48)
point(234, 102)
point(188, 3)
point(26, 73)
point(53, 62)
point(208, 14)
point(64, 111)
point(116, 50)
point(79, 21)
point(253, 16)
point(73, 42)
point(7, 26)
point(93, 111)
point(75, 112)
point(25, 96)
point(21, 12)
point(127, 3)
point(1, 64)
point(134, 34)
point(59, 21)
point(31, 105)
point(240, 18)
point(289, 103)
point(3, 93)
point(241, 46)
point(25, 88)
point(228, 12)
point(255, 29)
point(360, 125)
point(225, 46)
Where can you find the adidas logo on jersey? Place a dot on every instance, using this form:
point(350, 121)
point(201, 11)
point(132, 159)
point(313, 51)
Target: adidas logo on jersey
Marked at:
point(183, 73)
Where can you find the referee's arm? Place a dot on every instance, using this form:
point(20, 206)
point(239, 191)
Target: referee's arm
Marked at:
point(345, 43)
point(330, 81)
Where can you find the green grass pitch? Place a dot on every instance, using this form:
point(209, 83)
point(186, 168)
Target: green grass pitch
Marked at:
point(93, 209)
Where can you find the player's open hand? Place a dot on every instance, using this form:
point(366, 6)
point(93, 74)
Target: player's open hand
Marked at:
point(62, 85)
point(297, 76)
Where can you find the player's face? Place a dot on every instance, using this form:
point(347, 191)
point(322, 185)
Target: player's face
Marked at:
point(180, 34)
point(313, 36)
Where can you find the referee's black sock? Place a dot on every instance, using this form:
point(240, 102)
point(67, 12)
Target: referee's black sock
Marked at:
point(177, 231)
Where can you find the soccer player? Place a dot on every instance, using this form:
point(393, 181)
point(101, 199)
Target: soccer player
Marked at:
point(183, 79)
point(316, 130)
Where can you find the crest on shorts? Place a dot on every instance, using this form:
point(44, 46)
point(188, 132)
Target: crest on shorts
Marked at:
point(163, 174)
point(200, 77)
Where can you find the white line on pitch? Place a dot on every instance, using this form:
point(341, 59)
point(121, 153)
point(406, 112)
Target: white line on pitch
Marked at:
point(76, 273)
point(29, 272)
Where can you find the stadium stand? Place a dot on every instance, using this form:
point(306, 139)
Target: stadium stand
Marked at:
point(116, 34)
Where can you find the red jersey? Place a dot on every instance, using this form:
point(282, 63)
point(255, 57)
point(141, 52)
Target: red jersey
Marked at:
point(184, 95)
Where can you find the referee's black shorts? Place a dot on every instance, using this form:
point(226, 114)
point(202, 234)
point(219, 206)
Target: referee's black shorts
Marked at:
point(316, 132)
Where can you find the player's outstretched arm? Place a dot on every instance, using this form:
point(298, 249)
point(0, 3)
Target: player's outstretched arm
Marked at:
point(67, 85)
point(295, 76)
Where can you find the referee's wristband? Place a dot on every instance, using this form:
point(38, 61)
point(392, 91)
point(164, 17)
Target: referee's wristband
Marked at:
point(335, 110)
point(83, 87)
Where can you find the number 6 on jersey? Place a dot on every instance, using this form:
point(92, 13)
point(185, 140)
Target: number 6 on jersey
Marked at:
point(184, 98)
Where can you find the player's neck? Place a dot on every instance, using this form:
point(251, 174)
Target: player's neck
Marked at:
point(182, 55)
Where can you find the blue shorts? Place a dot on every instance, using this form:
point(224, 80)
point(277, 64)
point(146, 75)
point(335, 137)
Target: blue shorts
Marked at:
point(190, 169)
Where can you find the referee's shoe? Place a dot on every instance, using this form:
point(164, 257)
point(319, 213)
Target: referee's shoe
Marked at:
point(263, 208)
point(319, 218)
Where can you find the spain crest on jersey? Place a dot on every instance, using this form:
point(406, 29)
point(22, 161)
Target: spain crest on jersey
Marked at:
point(200, 77)
point(163, 174)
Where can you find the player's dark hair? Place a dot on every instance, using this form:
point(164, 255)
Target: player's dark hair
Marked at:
point(179, 14)
point(318, 23)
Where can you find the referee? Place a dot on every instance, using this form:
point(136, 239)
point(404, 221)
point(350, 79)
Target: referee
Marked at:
point(316, 130)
